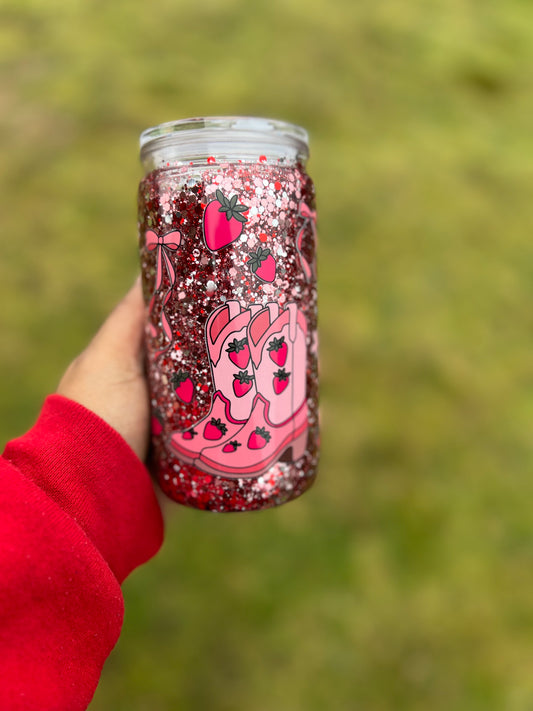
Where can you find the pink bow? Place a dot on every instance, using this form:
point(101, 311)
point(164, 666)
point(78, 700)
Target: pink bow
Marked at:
point(164, 244)
point(309, 216)
point(306, 212)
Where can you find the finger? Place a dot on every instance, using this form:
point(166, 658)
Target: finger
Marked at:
point(121, 334)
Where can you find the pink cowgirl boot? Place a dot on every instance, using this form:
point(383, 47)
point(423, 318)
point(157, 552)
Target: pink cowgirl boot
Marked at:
point(234, 384)
point(278, 420)
point(279, 354)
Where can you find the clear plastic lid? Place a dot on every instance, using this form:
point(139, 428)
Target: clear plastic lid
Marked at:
point(223, 139)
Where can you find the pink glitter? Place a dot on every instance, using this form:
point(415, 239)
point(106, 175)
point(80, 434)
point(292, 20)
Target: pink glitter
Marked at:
point(200, 278)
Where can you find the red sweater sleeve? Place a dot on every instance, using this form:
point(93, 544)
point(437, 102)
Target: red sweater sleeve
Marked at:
point(77, 514)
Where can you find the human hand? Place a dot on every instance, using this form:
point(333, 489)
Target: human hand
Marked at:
point(108, 376)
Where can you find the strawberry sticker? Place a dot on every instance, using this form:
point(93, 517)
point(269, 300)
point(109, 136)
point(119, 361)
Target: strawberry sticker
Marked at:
point(263, 264)
point(277, 349)
point(215, 429)
point(223, 221)
point(281, 380)
point(242, 383)
point(259, 438)
point(231, 446)
point(183, 385)
point(239, 352)
point(156, 423)
point(189, 434)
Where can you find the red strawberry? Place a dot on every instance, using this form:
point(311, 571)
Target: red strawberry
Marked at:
point(242, 383)
point(281, 380)
point(223, 221)
point(258, 438)
point(277, 349)
point(239, 352)
point(215, 429)
point(231, 446)
point(263, 264)
point(189, 434)
point(183, 385)
point(156, 423)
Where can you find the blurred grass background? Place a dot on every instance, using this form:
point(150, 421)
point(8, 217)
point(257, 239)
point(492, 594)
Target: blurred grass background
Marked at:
point(404, 579)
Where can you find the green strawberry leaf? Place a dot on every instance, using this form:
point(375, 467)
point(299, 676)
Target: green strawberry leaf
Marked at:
point(217, 422)
point(236, 345)
point(230, 207)
point(179, 377)
point(281, 374)
point(255, 259)
point(276, 343)
point(262, 432)
point(243, 377)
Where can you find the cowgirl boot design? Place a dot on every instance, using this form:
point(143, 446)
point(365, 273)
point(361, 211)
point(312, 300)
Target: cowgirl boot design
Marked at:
point(279, 417)
point(278, 350)
point(231, 368)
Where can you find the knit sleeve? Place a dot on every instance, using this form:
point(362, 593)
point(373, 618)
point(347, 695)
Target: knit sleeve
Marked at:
point(77, 514)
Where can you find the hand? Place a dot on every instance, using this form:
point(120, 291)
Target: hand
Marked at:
point(108, 377)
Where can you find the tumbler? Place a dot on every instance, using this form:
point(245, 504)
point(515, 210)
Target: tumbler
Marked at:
point(227, 244)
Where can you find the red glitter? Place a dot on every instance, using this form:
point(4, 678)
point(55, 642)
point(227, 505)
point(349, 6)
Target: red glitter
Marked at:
point(175, 199)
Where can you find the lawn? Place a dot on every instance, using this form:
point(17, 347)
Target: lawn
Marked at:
point(404, 579)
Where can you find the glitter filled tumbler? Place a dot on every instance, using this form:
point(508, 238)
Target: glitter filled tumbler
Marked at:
point(227, 244)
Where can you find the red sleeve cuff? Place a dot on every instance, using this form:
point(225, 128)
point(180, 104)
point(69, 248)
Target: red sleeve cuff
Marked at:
point(61, 607)
point(90, 471)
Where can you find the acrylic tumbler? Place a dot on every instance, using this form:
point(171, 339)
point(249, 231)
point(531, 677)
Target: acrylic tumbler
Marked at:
point(227, 245)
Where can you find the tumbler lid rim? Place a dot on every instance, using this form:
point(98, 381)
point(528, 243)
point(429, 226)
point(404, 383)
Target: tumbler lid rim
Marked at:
point(239, 128)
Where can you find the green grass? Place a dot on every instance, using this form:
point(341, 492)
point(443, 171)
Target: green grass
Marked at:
point(404, 579)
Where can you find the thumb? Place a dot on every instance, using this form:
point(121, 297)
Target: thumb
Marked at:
point(121, 334)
